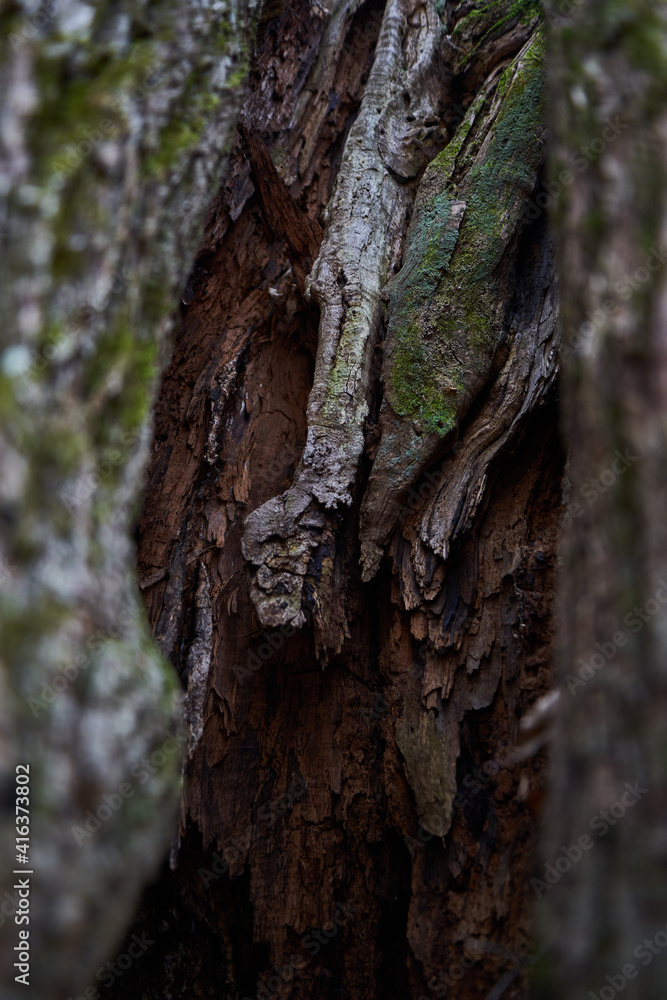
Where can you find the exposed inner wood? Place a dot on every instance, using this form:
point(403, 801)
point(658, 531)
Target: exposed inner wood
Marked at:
point(337, 742)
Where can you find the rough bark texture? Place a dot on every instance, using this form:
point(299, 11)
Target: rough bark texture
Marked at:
point(116, 122)
point(608, 99)
point(395, 406)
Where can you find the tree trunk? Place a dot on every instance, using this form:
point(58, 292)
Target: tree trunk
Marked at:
point(347, 545)
point(116, 123)
point(610, 174)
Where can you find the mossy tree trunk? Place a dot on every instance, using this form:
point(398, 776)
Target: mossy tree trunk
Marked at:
point(116, 123)
point(348, 539)
point(608, 100)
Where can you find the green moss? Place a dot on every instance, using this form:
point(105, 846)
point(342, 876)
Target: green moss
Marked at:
point(7, 396)
point(445, 162)
point(497, 15)
point(445, 303)
point(121, 350)
point(92, 104)
point(418, 388)
point(55, 451)
point(236, 78)
point(177, 137)
point(415, 381)
point(18, 634)
point(187, 122)
point(337, 390)
point(79, 223)
point(156, 298)
point(80, 211)
point(488, 20)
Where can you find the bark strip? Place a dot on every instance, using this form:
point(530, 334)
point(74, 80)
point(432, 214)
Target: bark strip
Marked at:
point(291, 539)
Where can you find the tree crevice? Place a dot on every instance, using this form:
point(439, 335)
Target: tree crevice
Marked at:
point(432, 655)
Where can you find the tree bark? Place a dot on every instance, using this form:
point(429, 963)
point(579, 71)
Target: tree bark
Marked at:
point(116, 124)
point(347, 545)
point(610, 167)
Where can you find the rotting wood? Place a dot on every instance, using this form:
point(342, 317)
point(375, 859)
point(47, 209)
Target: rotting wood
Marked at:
point(442, 657)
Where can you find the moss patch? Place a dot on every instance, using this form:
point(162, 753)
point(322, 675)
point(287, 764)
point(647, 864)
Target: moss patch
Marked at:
point(488, 20)
point(446, 303)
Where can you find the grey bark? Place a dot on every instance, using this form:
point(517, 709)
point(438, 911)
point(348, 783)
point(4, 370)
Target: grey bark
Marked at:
point(609, 174)
point(365, 222)
point(115, 125)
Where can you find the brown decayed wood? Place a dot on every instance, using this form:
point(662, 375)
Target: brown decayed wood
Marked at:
point(229, 430)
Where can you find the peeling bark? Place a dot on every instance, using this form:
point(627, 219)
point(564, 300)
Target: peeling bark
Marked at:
point(450, 325)
point(292, 539)
point(381, 700)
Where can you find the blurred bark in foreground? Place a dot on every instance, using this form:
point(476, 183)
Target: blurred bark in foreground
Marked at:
point(116, 122)
point(608, 115)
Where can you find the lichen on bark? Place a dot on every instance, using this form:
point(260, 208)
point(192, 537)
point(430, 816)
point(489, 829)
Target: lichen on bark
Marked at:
point(443, 655)
point(115, 126)
point(447, 307)
point(292, 537)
